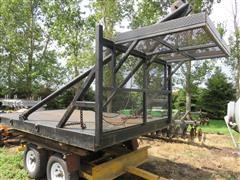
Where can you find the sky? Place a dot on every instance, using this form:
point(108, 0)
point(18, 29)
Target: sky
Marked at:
point(223, 13)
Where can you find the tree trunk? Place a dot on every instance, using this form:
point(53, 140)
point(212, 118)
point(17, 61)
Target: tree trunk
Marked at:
point(9, 75)
point(188, 86)
point(30, 55)
point(238, 78)
point(237, 49)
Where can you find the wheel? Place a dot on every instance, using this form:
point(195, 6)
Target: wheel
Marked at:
point(57, 169)
point(35, 161)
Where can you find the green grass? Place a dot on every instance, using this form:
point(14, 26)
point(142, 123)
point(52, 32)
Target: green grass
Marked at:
point(217, 127)
point(11, 165)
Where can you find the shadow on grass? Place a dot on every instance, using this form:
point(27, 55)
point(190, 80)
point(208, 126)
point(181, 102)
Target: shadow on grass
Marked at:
point(179, 141)
point(173, 170)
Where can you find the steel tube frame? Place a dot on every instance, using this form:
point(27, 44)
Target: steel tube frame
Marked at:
point(145, 83)
point(25, 115)
point(78, 96)
point(189, 48)
point(174, 48)
point(122, 49)
point(169, 67)
point(79, 78)
point(124, 81)
point(99, 84)
point(176, 68)
point(125, 56)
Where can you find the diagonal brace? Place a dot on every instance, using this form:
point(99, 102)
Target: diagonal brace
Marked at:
point(125, 56)
point(176, 68)
point(79, 95)
point(24, 116)
point(124, 82)
point(175, 49)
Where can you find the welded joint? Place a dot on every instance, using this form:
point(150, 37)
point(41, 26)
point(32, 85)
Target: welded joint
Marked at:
point(176, 68)
point(125, 56)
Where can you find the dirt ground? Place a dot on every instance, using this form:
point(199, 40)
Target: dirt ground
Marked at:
point(214, 159)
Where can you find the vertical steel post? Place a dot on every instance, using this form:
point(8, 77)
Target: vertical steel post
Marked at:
point(99, 84)
point(165, 77)
point(113, 51)
point(169, 93)
point(145, 72)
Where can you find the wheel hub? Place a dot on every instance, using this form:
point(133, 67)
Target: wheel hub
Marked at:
point(31, 161)
point(57, 172)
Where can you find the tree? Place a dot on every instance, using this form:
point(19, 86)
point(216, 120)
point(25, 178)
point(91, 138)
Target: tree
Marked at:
point(179, 99)
point(193, 72)
point(111, 13)
point(25, 57)
point(217, 94)
point(73, 30)
point(234, 41)
point(149, 12)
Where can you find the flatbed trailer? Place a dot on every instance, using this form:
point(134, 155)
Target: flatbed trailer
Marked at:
point(140, 63)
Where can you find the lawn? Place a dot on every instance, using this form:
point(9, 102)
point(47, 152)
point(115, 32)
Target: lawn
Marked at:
point(11, 166)
point(216, 127)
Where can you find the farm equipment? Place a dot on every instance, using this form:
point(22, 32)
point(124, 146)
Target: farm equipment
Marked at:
point(232, 120)
point(16, 104)
point(97, 139)
point(187, 125)
point(7, 135)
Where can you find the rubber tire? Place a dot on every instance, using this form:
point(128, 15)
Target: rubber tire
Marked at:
point(57, 158)
point(41, 162)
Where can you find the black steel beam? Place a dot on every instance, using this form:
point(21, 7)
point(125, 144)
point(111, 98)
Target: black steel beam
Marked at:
point(99, 84)
point(25, 115)
point(187, 48)
point(113, 65)
point(165, 77)
point(78, 96)
point(125, 56)
point(85, 104)
point(160, 92)
point(121, 48)
point(170, 94)
point(160, 61)
point(176, 68)
point(145, 83)
point(124, 82)
point(174, 48)
point(163, 28)
point(132, 132)
point(153, 59)
point(59, 135)
point(183, 10)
